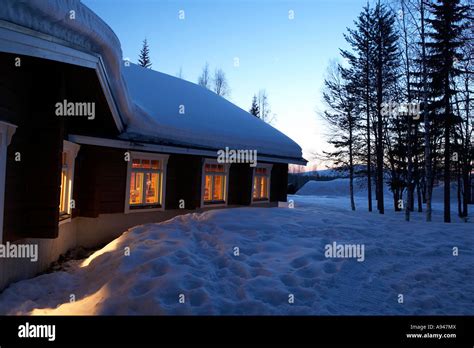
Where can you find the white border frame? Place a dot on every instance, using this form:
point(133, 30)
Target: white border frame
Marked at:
point(71, 149)
point(269, 167)
point(6, 133)
point(163, 158)
point(203, 182)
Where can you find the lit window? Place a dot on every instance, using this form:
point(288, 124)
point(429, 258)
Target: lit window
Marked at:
point(261, 184)
point(215, 181)
point(63, 206)
point(67, 178)
point(146, 177)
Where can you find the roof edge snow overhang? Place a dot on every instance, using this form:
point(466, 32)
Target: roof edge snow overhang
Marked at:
point(23, 41)
point(19, 39)
point(184, 150)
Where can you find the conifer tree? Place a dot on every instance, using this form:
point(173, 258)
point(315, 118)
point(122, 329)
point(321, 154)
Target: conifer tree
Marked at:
point(254, 109)
point(144, 57)
point(447, 25)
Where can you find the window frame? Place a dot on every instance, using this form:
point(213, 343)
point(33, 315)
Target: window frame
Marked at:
point(71, 149)
point(164, 165)
point(7, 130)
point(268, 167)
point(203, 184)
point(63, 195)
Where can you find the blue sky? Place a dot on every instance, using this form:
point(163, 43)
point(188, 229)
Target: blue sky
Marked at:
point(287, 57)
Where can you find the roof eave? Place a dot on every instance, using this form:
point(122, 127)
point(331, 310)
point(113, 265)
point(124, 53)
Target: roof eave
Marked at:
point(16, 39)
point(188, 150)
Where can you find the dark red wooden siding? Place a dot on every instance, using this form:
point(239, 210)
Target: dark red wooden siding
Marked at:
point(240, 183)
point(183, 181)
point(279, 182)
point(99, 181)
point(28, 95)
point(27, 98)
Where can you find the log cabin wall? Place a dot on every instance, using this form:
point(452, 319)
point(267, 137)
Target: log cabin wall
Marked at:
point(99, 181)
point(28, 95)
point(101, 175)
point(240, 184)
point(183, 181)
point(279, 182)
point(15, 87)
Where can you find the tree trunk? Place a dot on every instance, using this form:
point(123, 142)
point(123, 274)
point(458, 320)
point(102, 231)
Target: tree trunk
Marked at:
point(447, 154)
point(409, 203)
point(419, 198)
point(379, 148)
point(467, 189)
point(426, 119)
point(369, 161)
point(459, 193)
point(409, 184)
point(467, 148)
point(396, 199)
point(351, 166)
point(416, 173)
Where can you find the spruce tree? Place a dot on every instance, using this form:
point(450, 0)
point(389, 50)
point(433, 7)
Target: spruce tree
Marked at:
point(144, 57)
point(360, 58)
point(447, 25)
point(254, 109)
point(386, 63)
point(342, 116)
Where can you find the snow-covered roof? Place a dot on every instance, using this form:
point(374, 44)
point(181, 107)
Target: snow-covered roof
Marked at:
point(148, 102)
point(185, 113)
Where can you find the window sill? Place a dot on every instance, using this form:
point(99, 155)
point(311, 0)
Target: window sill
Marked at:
point(64, 219)
point(214, 202)
point(143, 209)
point(258, 201)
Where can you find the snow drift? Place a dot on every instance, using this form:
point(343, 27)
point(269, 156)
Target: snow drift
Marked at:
point(336, 187)
point(340, 188)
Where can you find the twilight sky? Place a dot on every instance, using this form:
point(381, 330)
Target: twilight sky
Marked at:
point(287, 57)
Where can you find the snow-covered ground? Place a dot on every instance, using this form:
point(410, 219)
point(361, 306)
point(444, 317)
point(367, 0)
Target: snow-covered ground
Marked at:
point(336, 188)
point(282, 253)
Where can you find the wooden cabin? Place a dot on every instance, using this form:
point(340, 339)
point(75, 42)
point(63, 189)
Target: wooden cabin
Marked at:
point(91, 145)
